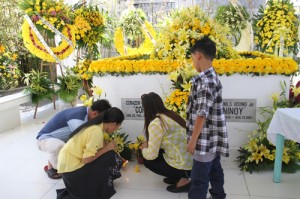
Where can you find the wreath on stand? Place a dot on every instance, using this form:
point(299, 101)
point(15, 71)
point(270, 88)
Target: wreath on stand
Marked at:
point(35, 46)
point(134, 27)
point(145, 48)
point(44, 20)
point(276, 28)
point(235, 17)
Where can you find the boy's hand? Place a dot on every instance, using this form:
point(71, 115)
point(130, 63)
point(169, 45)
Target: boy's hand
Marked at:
point(191, 146)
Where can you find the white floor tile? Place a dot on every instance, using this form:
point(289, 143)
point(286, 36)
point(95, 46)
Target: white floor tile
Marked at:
point(237, 197)
point(31, 171)
point(261, 185)
point(22, 174)
point(10, 165)
point(23, 190)
point(233, 179)
point(144, 194)
point(144, 179)
point(51, 194)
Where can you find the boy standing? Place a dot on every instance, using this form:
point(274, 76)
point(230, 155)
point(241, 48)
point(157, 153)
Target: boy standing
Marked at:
point(206, 126)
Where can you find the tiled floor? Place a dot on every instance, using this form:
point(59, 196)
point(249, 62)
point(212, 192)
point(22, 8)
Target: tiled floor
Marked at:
point(22, 175)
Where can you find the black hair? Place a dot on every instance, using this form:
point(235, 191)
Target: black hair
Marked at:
point(100, 105)
point(205, 46)
point(153, 104)
point(112, 115)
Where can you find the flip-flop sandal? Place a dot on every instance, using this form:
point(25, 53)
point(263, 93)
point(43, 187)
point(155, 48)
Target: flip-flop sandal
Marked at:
point(52, 173)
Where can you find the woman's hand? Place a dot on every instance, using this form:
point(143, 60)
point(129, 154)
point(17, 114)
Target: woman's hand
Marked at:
point(110, 146)
point(107, 147)
point(144, 145)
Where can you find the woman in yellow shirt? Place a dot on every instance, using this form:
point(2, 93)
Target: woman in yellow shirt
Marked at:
point(165, 153)
point(87, 164)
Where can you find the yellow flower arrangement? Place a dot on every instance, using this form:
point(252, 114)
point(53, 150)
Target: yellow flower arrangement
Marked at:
point(258, 64)
point(139, 141)
point(56, 14)
point(33, 44)
point(235, 17)
point(263, 64)
point(177, 102)
point(97, 91)
point(89, 25)
point(145, 48)
point(82, 69)
point(122, 67)
point(9, 72)
point(87, 102)
point(277, 21)
point(120, 140)
point(258, 153)
point(131, 22)
point(179, 32)
point(181, 81)
point(135, 147)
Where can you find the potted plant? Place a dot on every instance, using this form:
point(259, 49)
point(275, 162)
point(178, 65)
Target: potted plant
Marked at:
point(68, 86)
point(39, 86)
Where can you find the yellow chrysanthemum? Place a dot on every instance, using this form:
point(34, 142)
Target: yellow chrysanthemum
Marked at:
point(83, 97)
point(2, 49)
point(97, 90)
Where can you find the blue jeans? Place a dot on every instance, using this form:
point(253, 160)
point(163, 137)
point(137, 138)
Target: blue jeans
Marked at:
point(202, 174)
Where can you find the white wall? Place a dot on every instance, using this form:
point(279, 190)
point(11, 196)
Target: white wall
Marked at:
point(234, 87)
point(132, 87)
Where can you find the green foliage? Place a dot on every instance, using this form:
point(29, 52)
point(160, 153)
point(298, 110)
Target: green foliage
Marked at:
point(130, 23)
point(68, 87)
point(38, 85)
point(120, 139)
point(234, 17)
point(10, 22)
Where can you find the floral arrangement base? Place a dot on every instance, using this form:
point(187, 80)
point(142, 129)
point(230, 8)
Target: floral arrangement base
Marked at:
point(140, 160)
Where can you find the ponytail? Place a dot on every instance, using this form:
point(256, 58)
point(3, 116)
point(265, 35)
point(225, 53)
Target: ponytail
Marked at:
point(112, 115)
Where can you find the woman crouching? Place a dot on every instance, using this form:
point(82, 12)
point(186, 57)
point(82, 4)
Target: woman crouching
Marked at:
point(87, 164)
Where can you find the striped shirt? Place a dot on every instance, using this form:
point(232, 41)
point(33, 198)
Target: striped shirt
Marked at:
point(64, 123)
point(206, 100)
